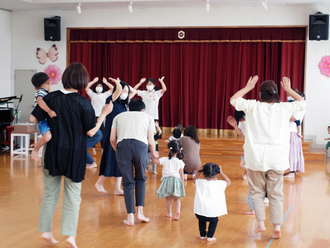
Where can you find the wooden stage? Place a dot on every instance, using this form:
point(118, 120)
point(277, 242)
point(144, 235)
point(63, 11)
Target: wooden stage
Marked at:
point(306, 209)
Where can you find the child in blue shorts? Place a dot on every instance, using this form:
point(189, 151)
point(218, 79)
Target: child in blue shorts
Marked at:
point(42, 84)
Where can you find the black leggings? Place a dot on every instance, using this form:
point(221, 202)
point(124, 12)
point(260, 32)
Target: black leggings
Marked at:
point(202, 225)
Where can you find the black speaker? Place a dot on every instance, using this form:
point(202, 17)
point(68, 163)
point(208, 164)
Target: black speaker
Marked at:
point(52, 28)
point(319, 26)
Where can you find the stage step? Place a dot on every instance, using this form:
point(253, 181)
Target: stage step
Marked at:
point(233, 148)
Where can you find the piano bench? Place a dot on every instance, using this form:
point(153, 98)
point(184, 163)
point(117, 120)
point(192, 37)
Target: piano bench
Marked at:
point(25, 145)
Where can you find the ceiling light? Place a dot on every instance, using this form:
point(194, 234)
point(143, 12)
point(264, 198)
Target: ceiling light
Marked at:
point(207, 5)
point(130, 7)
point(264, 4)
point(79, 8)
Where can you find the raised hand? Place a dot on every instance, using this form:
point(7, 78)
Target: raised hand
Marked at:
point(231, 120)
point(116, 81)
point(161, 79)
point(142, 80)
point(286, 84)
point(104, 80)
point(252, 82)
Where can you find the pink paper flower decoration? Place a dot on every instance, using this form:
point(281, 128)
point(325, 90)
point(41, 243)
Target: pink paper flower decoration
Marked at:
point(324, 66)
point(54, 73)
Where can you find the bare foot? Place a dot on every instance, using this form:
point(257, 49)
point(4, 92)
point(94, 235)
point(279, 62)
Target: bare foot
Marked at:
point(276, 232)
point(118, 192)
point(169, 215)
point(142, 217)
point(128, 222)
point(39, 163)
point(93, 165)
point(250, 212)
point(211, 239)
point(100, 188)
point(261, 227)
point(49, 238)
point(94, 151)
point(72, 242)
point(177, 216)
point(202, 238)
point(154, 172)
point(34, 155)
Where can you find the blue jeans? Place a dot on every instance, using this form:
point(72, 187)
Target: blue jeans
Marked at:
point(91, 142)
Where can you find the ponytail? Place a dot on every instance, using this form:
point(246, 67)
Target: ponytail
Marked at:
point(175, 148)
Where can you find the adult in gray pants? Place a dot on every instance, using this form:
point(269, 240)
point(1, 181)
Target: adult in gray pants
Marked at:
point(131, 134)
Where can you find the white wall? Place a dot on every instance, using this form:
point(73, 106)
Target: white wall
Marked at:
point(27, 34)
point(5, 53)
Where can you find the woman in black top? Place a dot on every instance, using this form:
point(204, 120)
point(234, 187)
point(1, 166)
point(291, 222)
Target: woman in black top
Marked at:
point(65, 153)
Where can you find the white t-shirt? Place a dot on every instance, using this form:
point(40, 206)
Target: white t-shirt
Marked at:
point(171, 167)
point(133, 125)
point(151, 100)
point(241, 125)
point(210, 199)
point(98, 100)
point(267, 133)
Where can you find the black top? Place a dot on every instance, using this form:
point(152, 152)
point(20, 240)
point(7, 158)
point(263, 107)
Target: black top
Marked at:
point(66, 152)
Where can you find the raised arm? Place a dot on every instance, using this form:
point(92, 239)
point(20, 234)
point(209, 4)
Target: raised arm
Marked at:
point(107, 84)
point(89, 85)
point(197, 176)
point(286, 85)
point(161, 80)
point(107, 108)
point(117, 93)
point(249, 86)
point(132, 92)
point(231, 120)
point(225, 178)
point(140, 83)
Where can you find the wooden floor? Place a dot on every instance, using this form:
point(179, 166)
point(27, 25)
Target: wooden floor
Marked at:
point(306, 206)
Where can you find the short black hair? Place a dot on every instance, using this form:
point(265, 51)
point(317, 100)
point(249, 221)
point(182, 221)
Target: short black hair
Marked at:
point(152, 81)
point(136, 105)
point(39, 79)
point(104, 87)
point(239, 115)
point(176, 133)
point(75, 77)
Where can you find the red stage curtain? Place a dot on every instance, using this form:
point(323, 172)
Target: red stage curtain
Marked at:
point(202, 71)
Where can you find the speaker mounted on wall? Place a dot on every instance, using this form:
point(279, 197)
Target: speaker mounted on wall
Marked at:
point(319, 26)
point(52, 28)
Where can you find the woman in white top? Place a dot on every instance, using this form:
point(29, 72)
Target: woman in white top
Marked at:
point(266, 147)
point(151, 96)
point(210, 200)
point(98, 96)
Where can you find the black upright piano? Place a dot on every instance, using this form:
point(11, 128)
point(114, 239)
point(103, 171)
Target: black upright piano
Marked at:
point(6, 114)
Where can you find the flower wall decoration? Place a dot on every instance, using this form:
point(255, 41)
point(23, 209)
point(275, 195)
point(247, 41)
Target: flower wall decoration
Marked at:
point(324, 66)
point(54, 73)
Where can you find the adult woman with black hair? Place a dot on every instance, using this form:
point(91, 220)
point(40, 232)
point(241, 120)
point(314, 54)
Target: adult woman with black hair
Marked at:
point(63, 155)
point(191, 146)
point(122, 93)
